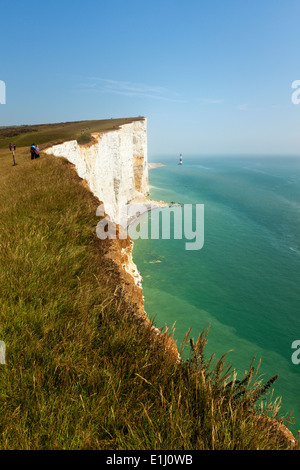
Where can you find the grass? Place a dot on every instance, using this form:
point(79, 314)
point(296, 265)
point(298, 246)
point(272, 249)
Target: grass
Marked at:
point(82, 371)
point(57, 132)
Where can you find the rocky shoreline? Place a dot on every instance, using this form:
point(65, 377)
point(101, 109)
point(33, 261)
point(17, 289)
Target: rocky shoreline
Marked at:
point(151, 166)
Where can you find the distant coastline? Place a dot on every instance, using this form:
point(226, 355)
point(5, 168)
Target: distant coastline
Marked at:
point(151, 166)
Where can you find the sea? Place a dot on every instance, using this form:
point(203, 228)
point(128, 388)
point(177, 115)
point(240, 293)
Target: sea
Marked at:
point(243, 282)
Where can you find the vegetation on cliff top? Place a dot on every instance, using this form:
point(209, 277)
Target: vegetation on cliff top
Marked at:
point(58, 132)
point(82, 372)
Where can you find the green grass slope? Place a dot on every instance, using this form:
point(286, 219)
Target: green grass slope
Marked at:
point(81, 372)
point(42, 134)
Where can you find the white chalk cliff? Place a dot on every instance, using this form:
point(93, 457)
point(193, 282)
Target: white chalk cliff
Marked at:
point(114, 164)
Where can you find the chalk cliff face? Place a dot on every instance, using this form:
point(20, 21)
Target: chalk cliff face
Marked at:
point(115, 164)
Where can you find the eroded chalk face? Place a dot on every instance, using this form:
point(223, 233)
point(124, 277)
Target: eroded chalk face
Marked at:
point(114, 166)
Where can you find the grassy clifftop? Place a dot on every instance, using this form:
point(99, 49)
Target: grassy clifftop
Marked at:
point(58, 132)
point(82, 371)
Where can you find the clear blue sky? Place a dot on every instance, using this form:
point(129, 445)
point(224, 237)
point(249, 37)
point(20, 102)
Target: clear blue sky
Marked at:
point(211, 76)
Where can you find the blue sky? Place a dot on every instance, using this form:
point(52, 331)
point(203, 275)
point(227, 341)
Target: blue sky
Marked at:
point(213, 77)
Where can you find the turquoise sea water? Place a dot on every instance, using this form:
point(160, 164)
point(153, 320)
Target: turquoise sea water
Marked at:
point(244, 282)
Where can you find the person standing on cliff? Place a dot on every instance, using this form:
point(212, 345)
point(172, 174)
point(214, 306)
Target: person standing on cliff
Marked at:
point(37, 151)
point(32, 150)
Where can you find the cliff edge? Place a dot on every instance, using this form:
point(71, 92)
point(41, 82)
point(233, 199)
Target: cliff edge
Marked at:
point(114, 164)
